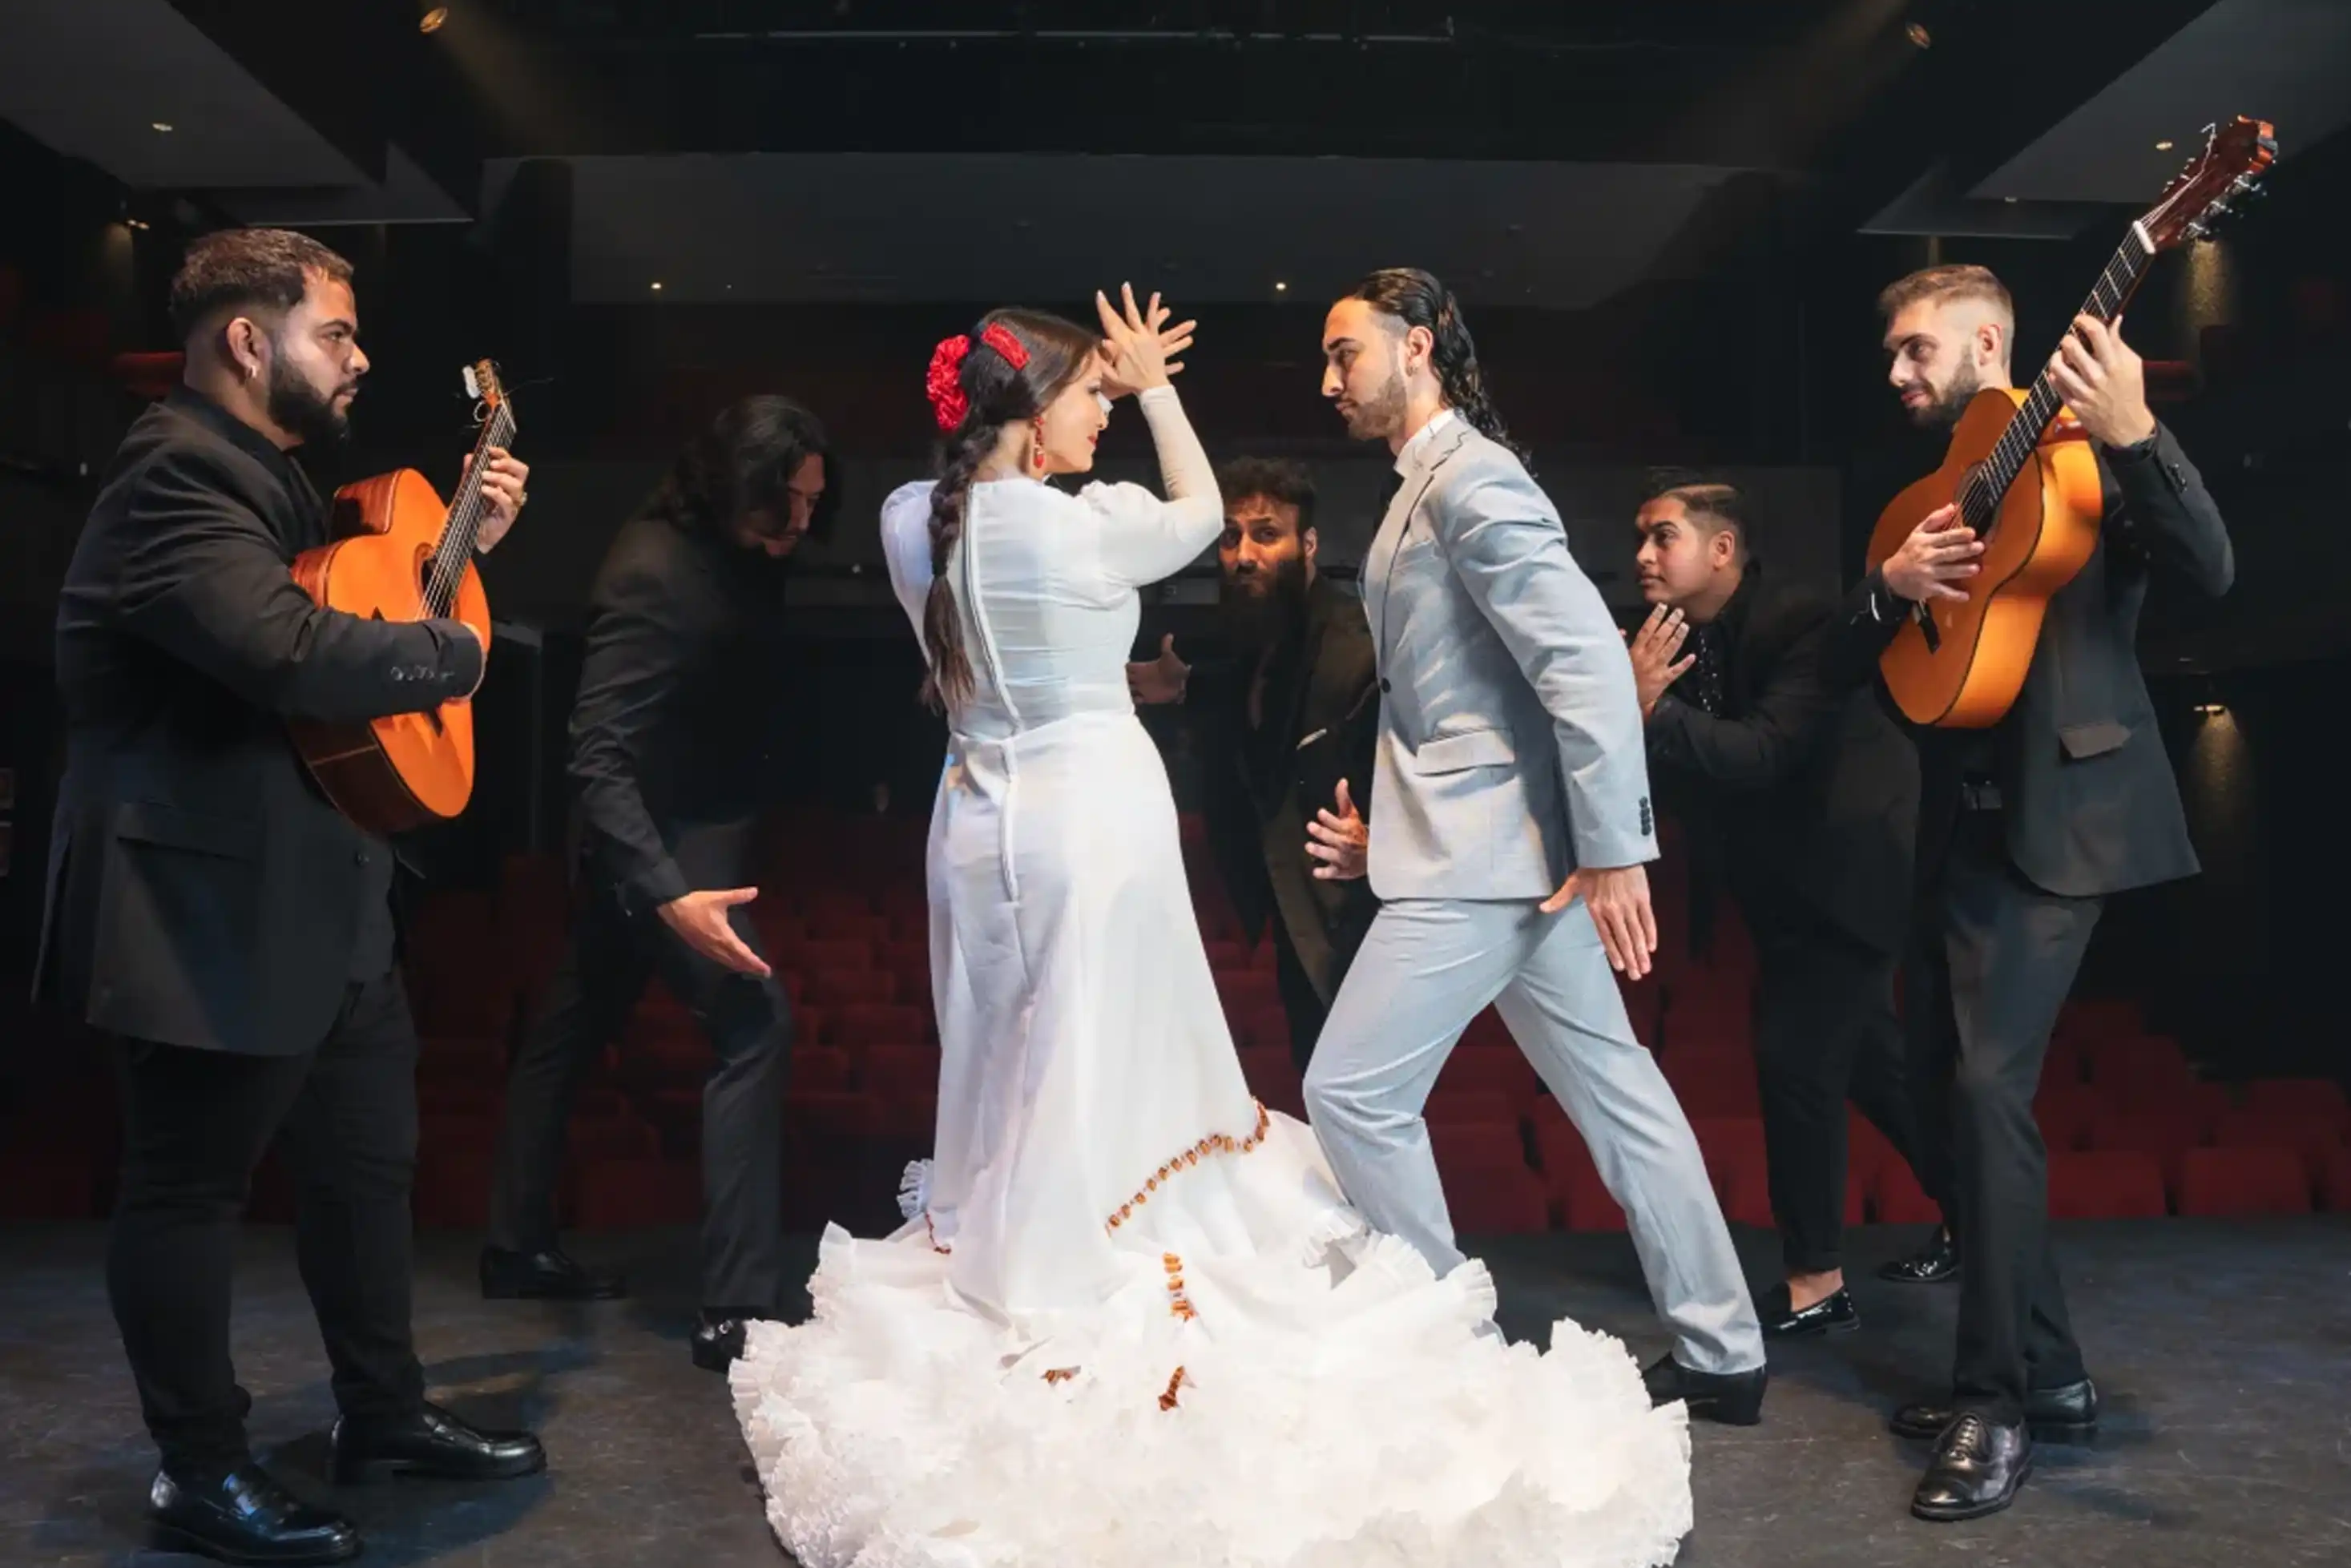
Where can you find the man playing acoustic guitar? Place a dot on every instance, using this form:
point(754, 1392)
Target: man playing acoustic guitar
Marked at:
point(2024, 829)
point(226, 925)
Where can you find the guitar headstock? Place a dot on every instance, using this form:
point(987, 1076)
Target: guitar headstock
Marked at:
point(2230, 169)
point(483, 386)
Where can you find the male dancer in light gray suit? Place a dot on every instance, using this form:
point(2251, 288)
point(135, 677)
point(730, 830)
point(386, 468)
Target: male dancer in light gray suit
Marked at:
point(1509, 826)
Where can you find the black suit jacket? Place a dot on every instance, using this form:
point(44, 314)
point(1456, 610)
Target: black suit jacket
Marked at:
point(201, 891)
point(1322, 724)
point(1816, 789)
point(2092, 807)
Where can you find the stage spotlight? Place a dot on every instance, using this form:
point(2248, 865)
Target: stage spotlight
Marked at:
point(2164, 145)
point(163, 125)
point(1917, 33)
point(1281, 288)
point(431, 21)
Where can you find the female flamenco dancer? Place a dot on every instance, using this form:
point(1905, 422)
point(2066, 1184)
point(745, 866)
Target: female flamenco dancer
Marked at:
point(1129, 1319)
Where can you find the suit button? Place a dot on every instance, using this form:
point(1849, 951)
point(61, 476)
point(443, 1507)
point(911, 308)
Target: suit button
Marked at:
point(359, 857)
point(1384, 683)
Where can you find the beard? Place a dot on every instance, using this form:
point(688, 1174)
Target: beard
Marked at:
point(1264, 608)
point(300, 408)
point(1381, 416)
point(1943, 410)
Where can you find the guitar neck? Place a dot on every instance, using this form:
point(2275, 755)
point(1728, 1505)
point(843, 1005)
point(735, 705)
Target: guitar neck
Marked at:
point(464, 524)
point(1979, 502)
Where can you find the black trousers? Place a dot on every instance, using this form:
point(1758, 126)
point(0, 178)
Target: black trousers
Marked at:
point(613, 953)
point(196, 1123)
point(1825, 1032)
point(2007, 956)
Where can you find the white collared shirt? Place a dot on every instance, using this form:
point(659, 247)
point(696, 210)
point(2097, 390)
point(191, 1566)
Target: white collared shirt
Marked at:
point(1421, 438)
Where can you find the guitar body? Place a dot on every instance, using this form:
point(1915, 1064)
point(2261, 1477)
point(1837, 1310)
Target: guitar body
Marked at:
point(391, 774)
point(2045, 528)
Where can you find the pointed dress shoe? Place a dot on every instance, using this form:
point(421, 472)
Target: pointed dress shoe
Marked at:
point(1978, 1463)
point(1832, 1313)
point(245, 1517)
point(1931, 1265)
point(718, 1336)
point(432, 1442)
point(550, 1275)
point(1733, 1398)
point(2066, 1414)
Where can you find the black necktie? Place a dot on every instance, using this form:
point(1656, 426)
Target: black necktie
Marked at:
point(1388, 489)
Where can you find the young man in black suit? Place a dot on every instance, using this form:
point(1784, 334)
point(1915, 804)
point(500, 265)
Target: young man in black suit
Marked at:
point(1286, 726)
point(2024, 829)
point(679, 692)
point(231, 930)
point(1806, 796)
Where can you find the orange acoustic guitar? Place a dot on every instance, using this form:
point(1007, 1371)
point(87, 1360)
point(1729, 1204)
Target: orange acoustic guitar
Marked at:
point(399, 555)
point(2026, 480)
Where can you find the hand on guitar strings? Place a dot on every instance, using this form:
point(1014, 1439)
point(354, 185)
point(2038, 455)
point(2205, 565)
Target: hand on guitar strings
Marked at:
point(1618, 898)
point(1942, 551)
point(503, 479)
point(700, 918)
point(2102, 380)
point(1342, 841)
point(1652, 648)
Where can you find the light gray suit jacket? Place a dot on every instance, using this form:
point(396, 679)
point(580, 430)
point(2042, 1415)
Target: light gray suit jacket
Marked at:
point(1510, 748)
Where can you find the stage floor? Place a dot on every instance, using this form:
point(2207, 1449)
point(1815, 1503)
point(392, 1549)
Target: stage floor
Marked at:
point(2224, 1351)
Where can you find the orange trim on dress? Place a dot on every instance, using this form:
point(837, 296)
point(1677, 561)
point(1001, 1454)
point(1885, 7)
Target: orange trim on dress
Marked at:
point(1214, 1142)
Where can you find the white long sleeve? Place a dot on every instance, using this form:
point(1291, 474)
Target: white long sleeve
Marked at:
point(1144, 539)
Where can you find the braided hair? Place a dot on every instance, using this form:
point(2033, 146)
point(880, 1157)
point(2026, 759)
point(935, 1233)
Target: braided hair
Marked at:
point(996, 395)
point(1417, 299)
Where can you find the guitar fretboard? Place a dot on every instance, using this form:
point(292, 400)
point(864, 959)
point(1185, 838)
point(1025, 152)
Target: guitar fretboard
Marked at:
point(1979, 499)
point(464, 521)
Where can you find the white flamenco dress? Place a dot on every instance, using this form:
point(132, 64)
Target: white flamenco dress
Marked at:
point(1130, 1319)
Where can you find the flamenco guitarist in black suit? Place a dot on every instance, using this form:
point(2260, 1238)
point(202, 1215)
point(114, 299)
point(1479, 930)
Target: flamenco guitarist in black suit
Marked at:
point(1805, 795)
point(209, 910)
point(2024, 829)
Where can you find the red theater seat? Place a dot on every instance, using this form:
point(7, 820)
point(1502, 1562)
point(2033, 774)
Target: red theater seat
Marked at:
point(1248, 991)
point(1733, 1147)
point(849, 987)
point(2296, 1095)
point(2110, 1185)
point(1471, 1107)
point(1570, 1175)
point(2064, 1116)
point(821, 1070)
point(900, 1074)
point(1486, 1031)
point(1266, 1029)
point(2163, 1135)
point(2239, 1182)
point(1483, 1068)
point(815, 956)
point(870, 930)
point(2335, 1189)
point(1896, 1198)
point(1226, 954)
point(630, 1194)
point(2312, 1132)
point(858, 1025)
point(1487, 1187)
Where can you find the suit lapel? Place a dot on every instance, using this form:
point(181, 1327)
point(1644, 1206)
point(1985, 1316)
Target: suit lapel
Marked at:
point(1381, 559)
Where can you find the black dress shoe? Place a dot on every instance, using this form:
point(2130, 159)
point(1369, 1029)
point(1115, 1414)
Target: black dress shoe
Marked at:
point(245, 1517)
point(1733, 1398)
point(1978, 1463)
point(548, 1276)
point(1936, 1262)
point(2066, 1414)
point(1832, 1313)
point(718, 1336)
point(434, 1442)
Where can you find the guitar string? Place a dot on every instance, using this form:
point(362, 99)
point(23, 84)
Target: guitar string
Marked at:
point(465, 520)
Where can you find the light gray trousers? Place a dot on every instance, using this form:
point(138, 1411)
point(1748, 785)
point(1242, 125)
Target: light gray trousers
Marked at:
point(1426, 970)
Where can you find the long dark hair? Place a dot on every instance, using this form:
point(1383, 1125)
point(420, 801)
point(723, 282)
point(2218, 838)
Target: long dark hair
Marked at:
point(744, 462)
point(995, 395)
point(1417, 299)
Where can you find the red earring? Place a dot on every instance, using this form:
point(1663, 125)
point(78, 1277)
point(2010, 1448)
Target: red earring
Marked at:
point(1037, 446)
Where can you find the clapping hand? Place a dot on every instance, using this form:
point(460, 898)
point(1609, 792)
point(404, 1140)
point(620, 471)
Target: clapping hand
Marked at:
point(1139, 347)
point(1652, 648)
point(1340, 841)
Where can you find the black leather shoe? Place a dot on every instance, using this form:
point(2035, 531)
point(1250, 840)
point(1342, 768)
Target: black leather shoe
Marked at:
point(1733, 1398)
point(718, 1336)
point(1832, 1313)
point(1936, 1262)
point(2068, 1414)
point(1978, 1463)
point(548, 1276)
point(245, 1517)
point(434, 1442)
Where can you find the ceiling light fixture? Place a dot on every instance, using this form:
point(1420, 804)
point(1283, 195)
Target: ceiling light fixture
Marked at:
point(163, 125)
point(2164, 145)
point(134, 223)
point(656, 287)
point(1281, 288)
point(1917, 33)
point(431, 21)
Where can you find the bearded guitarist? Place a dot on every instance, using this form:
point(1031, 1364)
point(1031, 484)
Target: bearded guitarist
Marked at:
point(2024, 829)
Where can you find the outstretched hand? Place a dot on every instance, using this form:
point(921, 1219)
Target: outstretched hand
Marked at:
point(1139, 347)
point(700, 920)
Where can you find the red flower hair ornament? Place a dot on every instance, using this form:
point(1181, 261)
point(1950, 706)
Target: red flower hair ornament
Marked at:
point(944, 385)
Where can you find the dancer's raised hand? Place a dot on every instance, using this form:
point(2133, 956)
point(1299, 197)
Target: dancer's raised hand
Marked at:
point(1139, 347)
